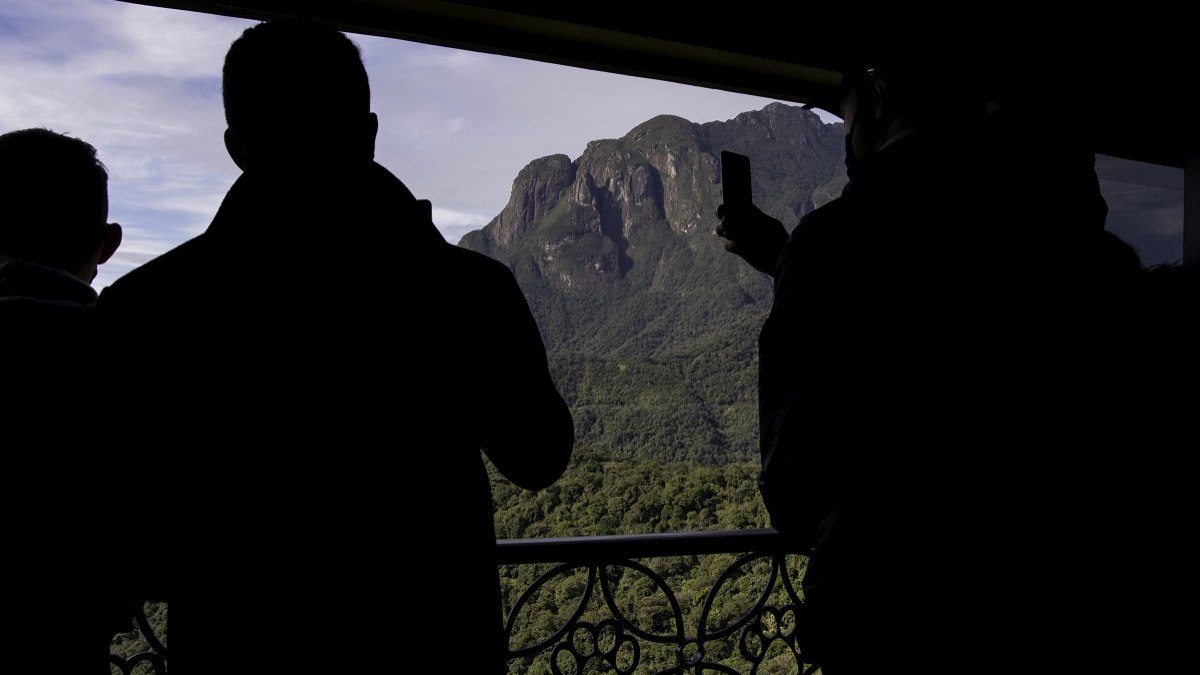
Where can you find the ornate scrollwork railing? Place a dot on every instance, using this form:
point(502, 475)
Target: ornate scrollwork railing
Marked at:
point(156, 656)
point(692, 633)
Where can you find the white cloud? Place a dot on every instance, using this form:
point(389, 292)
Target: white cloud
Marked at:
point(142, 84)
point(388, 53)
point(1119, 170)
point(454, 224)
point(518, 110)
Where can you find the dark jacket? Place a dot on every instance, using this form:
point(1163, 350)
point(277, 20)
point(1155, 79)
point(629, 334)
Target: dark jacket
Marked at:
point(950, 348)
point(863, 362)
point(49, 350)
point(864, 298)
point(63, 504)
point(318, 373)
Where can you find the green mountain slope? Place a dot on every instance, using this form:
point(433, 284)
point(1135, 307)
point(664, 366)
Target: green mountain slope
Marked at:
point(650, 324)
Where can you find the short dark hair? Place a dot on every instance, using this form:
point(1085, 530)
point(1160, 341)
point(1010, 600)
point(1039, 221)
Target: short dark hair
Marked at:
point(53, 198)
point(282, 76)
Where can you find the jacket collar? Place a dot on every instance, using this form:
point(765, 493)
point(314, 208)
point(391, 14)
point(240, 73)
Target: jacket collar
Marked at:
point(30, 281)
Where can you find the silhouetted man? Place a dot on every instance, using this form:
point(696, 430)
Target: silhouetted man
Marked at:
point(937, 373)
point(864, 382)
point(319, 371)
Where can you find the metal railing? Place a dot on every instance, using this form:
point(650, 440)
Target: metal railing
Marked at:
point(599, 630)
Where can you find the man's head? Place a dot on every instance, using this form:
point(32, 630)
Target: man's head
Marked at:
point(296, 90)
point(54, 202)
point(882, 97)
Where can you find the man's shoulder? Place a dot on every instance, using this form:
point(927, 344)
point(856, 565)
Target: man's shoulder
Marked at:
point(464, 259)
point(828, 216)
point(168, 272)
point(458, 278)
point(463, 268)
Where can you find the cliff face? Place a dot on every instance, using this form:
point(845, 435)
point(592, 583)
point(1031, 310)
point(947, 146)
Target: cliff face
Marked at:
point(651, 326)
point(626, 203)
point(541, 184)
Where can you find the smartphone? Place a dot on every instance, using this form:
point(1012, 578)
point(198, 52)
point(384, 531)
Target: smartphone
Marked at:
point(735, 180)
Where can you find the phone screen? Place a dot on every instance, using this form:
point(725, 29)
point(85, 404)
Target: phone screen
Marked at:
point(735, 180)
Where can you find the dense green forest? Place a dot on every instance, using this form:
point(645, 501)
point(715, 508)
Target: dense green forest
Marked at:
point(602, 495)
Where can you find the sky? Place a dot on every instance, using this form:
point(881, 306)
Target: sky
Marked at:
point(143, 85)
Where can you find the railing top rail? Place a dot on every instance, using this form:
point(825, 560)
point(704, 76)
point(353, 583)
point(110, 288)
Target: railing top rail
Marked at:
point(629, 546)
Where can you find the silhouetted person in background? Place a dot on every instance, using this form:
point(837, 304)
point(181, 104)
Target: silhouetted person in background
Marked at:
point(1102, 379)
point(1047, 172)
point(318, 373)
point(950, 345)
point(865, 376)
point(63, 604)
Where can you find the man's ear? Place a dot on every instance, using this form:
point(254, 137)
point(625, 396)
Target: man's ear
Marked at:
point(110, 241)
point(235, 148)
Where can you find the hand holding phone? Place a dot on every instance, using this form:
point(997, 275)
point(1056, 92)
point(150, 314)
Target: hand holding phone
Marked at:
point(748, 232)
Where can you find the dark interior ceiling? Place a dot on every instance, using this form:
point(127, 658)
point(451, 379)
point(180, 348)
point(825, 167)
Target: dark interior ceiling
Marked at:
point(1120, 82)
